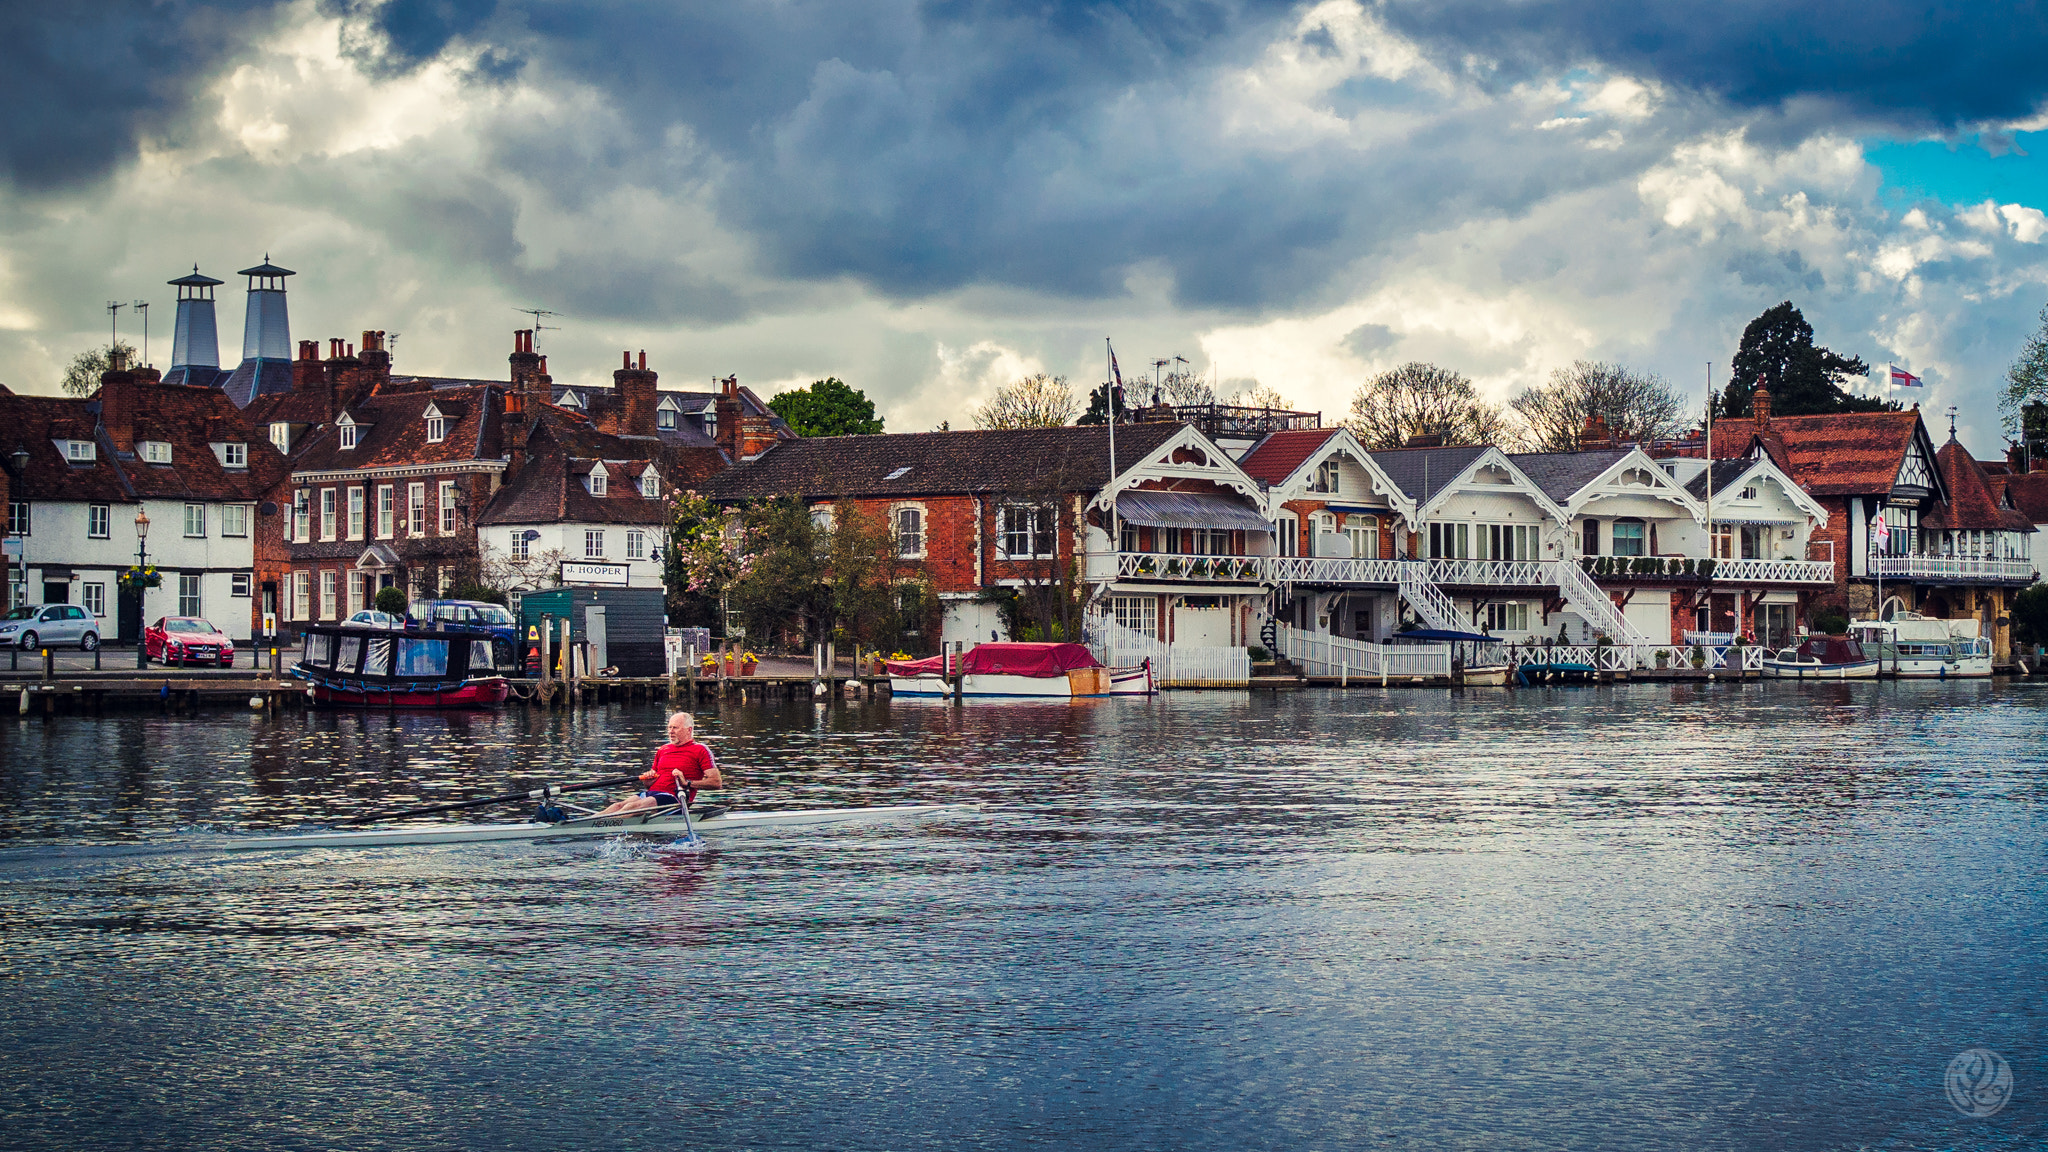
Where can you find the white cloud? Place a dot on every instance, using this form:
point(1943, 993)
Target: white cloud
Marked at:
point(2028, 224)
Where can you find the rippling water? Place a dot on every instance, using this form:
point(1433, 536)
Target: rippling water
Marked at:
point(1712, 917)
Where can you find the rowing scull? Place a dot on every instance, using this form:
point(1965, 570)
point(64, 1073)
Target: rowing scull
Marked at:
point(658, 820)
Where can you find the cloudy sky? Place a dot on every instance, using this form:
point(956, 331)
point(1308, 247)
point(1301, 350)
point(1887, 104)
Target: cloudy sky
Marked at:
point(928, 199)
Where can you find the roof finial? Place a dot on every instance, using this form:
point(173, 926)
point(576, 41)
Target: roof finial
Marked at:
point(1951, 421)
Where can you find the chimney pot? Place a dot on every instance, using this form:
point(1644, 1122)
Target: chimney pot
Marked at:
point(643, 359)
point(627, 360)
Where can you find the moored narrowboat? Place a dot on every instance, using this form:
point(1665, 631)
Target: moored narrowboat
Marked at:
point(357, 667)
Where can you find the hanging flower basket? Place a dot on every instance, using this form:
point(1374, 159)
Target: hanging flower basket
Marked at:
point(135, 579)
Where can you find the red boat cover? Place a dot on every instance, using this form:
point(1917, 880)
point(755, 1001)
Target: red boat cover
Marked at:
point(1038, 660)
point(1832, 650)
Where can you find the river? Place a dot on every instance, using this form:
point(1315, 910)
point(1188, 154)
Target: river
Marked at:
point(1693, 916)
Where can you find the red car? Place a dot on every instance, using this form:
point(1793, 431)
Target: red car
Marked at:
point(187, 640)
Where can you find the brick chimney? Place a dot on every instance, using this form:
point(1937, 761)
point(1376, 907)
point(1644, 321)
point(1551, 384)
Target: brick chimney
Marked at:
point(634, 388)
point(529, 370)
point(726, 409)
point(1425, 440)
point(376, 359)
point(1760, 405)
point(1595, 434)
point(512, 427)
point(307, 372)
point(118, 401)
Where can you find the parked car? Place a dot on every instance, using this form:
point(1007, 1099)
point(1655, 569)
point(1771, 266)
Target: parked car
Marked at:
point(371, 618)
point(41, 625)
point(186, 640)
point(479, 615)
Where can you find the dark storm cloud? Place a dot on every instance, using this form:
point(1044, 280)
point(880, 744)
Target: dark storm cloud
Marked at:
point(82, 82)
point(1917, 67)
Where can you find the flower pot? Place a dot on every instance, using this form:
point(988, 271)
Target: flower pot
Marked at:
point(732, 666)
point(747, 667)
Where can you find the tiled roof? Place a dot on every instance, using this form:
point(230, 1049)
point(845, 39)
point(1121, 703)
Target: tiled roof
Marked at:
point(938, 463)
point(560, 450)
point(1849, 454)
point(256, 376)
point(1725, 472)
point(392, 431)
point(1422, 472)
point(1972, 505)
point(2030, 494)
point(186, 417)
point(1560, 474)
point(1276, 457)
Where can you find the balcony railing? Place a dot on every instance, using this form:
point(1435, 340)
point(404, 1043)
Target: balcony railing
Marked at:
point(1331, 570)
point(1177, 567)
point(1953, 568)
point(1618, 569)
point(1504, 573)
point(1775, 571)
point(1103, 566)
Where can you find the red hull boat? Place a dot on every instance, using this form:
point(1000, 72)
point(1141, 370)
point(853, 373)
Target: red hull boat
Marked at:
point(486, 693)
point(358, 667)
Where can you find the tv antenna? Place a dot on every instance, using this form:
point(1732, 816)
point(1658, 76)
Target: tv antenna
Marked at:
point(142, 306)
point(113, 325)
point(537, 313)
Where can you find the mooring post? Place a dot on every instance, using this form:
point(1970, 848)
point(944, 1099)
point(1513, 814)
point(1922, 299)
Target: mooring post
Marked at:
point(49, 662)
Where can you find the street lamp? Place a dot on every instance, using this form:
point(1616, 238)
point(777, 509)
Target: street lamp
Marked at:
point(141, 558)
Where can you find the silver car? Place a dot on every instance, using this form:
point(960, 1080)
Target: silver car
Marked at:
point(49, 625)
point(371, 618)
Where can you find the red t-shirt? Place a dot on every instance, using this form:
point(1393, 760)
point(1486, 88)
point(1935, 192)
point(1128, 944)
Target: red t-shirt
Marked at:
point(691, 761)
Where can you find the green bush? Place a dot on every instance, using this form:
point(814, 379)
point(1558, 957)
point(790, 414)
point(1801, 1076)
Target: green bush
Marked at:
point(1259, 655)
point(1831, 623)
point(2030, 615)
point(390, 600)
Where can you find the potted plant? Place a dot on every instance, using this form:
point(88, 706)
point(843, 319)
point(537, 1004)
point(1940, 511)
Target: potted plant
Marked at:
point(1699, 657)
point(135, 578)
point(1663, 658)
point(748, 662)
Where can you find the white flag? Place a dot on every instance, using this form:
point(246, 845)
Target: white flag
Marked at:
point(1880, 533)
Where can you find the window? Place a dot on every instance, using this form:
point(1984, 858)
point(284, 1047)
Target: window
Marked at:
point(195, 525)
point(1721, 543)
point(593, 543)
point(1748, 494)
point(95, 598)
point(1450, 541)
point(189, 603)
point(329, 523)
point(98, 521)
point(348, 434)
point(446, 499)
point(234, 519)
point(357, 582)
point(1507, 541)
point(1628, 538)
point(355, 513)
point(1753, 537)
point(80, 451)
point(234, 455)
point(330, 583)
point(1591, 547)
point(650, 485)
point(302, 503)
point(384, 509)
point(437, 429)
point(1025, 531)
point(17, 518)
point(519, 544)
point(156, 452)
point(909, 532)
point(1140, 614)
point(664, 418)
point(238, 585)
point(636, 544)
point(416, 509)
point(1127, 538)
point(821, 517)
point(1365, 536)
point(597, 482)
point(1507, 617)
point(1327, 477)
point(444, 576)
point(281, 435)
point(1290, 536)
point(302, 595)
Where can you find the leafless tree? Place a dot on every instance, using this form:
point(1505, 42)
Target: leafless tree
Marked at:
point(1420, 399)
point(1037, 401)
point(1259, 396)
point(1636, 406)
point(1184, 388)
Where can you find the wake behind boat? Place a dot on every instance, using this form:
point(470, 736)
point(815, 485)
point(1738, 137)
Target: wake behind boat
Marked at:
point(666, 820)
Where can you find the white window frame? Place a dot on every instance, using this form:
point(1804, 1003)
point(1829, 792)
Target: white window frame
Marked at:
point(330, 593)
point(302, 595)
point(650, 484)
point(1288, 527)
point(234, 454)
point(93, 596)
point(99, 521)
point(437, 429)
point(346, 430)
point(18, 519)
point(521, 546)
point(599, 482)
point(387, 511)
point(355, 512)
point(191, 594)
point(1329, 477)
point(357, 582)
point(636, 544)
point(910, 541)
point(302, 513)
point(234, 520)
point(241, 584)
point(156, 452)
point(194, 511)
point(444, 496)
point(593, 543)
point(1041, 530)
point(330, 520)
point(81, 451)
point(281, 435)
point(416, 509)
point(1139, 614)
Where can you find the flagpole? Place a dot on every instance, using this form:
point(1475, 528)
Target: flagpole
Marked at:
point(1109, 414)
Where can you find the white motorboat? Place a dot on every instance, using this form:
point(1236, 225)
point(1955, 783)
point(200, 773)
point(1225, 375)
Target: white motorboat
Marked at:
point(666, 821)
point(1915, 647)
point(1055, 671)
point(1822, 658)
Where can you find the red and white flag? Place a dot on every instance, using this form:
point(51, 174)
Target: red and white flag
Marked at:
point(1880, 533)
point(1900, 378)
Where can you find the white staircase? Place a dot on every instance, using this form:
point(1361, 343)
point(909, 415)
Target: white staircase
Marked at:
point(1594, 605)
point(1427, 599)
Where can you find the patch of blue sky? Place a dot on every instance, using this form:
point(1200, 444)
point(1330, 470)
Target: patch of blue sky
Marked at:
point(1965, 172)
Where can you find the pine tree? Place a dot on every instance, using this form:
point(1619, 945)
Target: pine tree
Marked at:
point(1804, 379)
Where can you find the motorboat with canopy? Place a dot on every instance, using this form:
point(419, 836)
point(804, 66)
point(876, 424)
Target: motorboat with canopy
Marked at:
point(365, 667)
point(1821, 657)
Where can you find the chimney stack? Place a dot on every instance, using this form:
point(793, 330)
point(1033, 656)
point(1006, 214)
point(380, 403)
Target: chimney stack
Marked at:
point(512, 432)
point(726, 410)
point(635, 390)
point(1760, 406)
point(376, 358)
point(529, 369)
point(118, 400)
point(1595, 434)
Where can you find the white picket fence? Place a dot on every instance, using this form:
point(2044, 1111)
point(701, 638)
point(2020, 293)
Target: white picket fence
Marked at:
point(1173, 665)
point(1321, 654)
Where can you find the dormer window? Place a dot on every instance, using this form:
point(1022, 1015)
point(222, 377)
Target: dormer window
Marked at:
point(665, 414)
point(156, 452)
point(437, 425)
point(347, 429)
point(650, 485)
point(281, 435)
point(80, 451)
point(598, 480)
point(233, 454)
point(569, 400)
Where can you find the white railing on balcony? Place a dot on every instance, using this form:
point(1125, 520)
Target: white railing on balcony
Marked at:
point(1593, 605)
point(1321, 654)
point(1511, 573)
point(1332, 570)
point(1953, 568)
point(1775, 571)
point(1173, 665)
point(1173, 566)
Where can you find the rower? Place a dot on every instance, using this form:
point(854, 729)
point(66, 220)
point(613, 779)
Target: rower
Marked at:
point(680, 766)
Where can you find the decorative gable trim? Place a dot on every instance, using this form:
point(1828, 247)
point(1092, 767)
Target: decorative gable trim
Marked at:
point(1508, 477)
point(1187, 455)
point(1345, 444)
point(1635, 474)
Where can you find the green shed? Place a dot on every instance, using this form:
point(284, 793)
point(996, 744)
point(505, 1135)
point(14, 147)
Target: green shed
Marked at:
point(623, 626)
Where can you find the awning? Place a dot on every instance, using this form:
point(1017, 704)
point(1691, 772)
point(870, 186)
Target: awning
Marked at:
point(1188, 510)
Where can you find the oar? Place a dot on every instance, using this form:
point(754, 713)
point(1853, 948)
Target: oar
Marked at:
point(489, 800)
